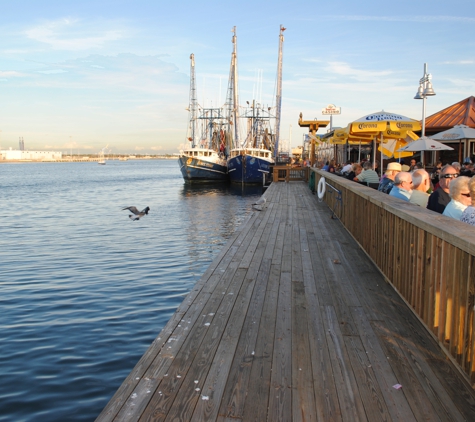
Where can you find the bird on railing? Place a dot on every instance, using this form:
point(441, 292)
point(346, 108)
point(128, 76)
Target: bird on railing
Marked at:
point(136, 212)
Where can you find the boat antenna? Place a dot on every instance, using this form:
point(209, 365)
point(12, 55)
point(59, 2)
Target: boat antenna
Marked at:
point(279, 92)
point(193, 106)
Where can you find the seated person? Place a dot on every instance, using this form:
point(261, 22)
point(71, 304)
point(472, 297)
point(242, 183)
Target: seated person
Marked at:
point(402, 188)
point(368, 175)
point(387, 182)
point(347, 168)
point(468, 170)
point(468, 216)
point(418, 166)
point(439, 199)
point(460, 197)
point(420, 186)
point(356, 170)
point(436, 173)
point(457, 166)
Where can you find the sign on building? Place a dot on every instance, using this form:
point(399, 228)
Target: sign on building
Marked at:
point(331, 109)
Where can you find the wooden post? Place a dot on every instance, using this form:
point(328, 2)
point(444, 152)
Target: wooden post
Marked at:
point(313, 126)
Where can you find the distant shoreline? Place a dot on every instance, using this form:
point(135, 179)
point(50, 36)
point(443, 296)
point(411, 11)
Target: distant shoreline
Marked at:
point(82, 160)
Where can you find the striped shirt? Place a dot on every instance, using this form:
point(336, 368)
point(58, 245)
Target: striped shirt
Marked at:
point(368, 176)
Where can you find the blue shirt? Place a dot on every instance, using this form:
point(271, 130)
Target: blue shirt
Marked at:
point(400, 193)
point(386, 185)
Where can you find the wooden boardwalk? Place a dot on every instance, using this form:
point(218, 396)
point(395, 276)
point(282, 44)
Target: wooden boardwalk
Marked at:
point(292, 322)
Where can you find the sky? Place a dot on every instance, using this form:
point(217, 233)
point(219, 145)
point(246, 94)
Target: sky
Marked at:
point(79, 76)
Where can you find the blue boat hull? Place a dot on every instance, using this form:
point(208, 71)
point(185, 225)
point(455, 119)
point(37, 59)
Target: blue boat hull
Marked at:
point(196, 170)
point(248, 169)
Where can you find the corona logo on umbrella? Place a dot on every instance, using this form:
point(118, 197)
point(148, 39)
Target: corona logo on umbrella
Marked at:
point(379, 122)
point(343, 135)
point(383, 126)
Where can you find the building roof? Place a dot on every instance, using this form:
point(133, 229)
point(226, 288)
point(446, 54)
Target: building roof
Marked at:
point(461, 113)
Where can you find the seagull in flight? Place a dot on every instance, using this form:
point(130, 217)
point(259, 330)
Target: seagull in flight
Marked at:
point(136, 212)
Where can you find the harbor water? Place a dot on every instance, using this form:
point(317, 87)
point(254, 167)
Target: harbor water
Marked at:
point(85, 290)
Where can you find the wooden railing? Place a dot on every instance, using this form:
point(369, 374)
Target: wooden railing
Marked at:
point(427, 257)
point(290, 174)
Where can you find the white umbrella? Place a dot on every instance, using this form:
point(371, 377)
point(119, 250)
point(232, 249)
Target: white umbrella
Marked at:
point(425, 144)
point(456, 133)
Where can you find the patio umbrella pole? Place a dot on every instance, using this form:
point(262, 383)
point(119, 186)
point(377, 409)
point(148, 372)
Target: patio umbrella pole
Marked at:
point(374, 152)
point(381, 155)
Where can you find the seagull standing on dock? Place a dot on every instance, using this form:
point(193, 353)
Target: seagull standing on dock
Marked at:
point(259, 204)
point(137, 213)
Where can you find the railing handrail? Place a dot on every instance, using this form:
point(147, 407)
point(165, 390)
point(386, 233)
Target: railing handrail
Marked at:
point(288, 173)
point(428, 220)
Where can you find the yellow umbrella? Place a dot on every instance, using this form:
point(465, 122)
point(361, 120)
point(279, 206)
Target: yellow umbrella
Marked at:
point(342, 135)
point(385, 125)
point(389, 148)
point(381, 121)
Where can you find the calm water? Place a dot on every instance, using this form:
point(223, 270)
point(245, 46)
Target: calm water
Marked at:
point(84, 290)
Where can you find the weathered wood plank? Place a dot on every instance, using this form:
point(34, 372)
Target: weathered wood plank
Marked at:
point(303, 397)
point(411, 387)
point(398, 406)
point(280, 399)
point(235, 390)
point(326, 398)
point(368, 386)
point(351, 407)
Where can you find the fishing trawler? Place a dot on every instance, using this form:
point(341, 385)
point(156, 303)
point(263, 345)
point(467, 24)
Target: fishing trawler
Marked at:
point(209, 135)
point(251, 161)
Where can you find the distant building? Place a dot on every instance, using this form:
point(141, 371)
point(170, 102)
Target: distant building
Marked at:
point(19, 155)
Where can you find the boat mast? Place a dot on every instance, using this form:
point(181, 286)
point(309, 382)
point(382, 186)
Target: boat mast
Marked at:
point(193, 106)
point(229, 106)
point(279, 93)
point(234, 72)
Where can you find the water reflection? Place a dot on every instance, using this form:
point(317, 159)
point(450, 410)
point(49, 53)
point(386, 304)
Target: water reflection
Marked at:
point(190, 189)
point(213, 212)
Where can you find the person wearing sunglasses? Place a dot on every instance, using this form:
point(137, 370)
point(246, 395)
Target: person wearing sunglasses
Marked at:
point(439, 199)
point(460, 195)
point(468, 216)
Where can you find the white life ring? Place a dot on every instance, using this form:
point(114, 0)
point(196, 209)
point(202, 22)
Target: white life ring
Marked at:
point(321, 187)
